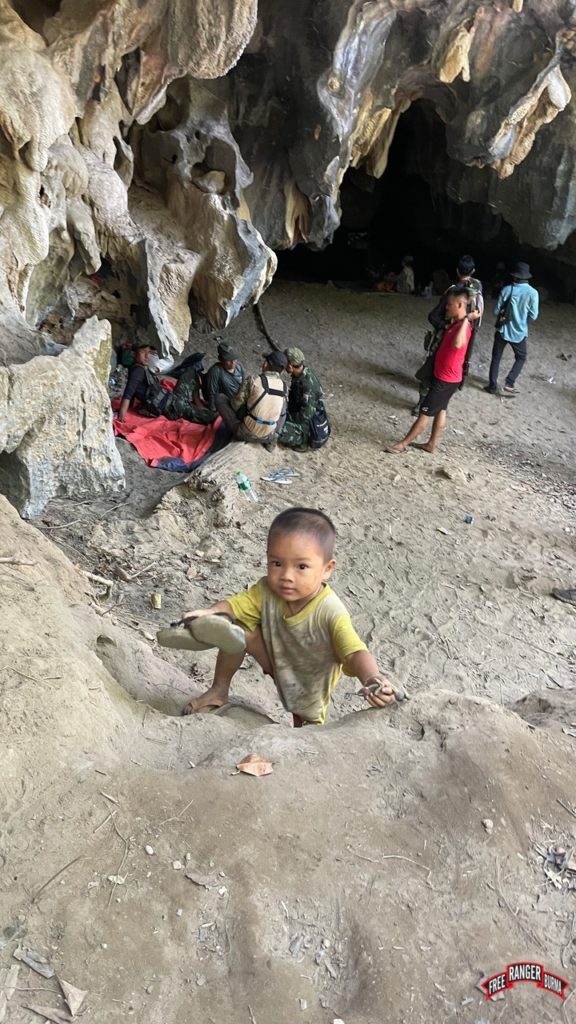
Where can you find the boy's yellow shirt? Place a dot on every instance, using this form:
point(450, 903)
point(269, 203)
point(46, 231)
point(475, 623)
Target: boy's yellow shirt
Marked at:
point(308, 650)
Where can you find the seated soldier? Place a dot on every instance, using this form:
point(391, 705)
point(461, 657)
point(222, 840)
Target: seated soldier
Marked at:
point(225, 376)
point(184, 402)
point(303, 400)
point(257, 411)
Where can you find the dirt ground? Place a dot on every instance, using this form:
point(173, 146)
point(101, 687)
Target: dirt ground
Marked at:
point(392, 859)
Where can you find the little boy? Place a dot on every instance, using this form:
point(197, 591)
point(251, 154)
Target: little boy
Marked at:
point(296, 627)
point(447, 377)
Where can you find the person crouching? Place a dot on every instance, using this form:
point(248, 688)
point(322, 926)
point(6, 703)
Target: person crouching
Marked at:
point(257, 412)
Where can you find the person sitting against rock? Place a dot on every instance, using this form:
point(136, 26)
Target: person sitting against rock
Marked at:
point(184, 402)
point(224, 377)
point(405, 283)
point(304, 398)
point(258, 410)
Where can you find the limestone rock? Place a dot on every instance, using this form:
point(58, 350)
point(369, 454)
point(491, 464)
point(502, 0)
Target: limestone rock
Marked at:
point(56, 424)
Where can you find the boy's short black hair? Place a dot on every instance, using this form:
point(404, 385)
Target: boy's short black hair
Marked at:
point(459, 292)
point(466, 265)
point(309, 521)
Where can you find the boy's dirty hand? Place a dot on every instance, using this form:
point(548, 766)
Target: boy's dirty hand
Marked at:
point(378, 691)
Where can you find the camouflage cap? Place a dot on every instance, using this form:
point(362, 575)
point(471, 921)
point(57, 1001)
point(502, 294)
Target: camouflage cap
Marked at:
point(295, 356)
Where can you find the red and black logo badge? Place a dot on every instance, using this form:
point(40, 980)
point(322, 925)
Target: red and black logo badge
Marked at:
point(512, 974)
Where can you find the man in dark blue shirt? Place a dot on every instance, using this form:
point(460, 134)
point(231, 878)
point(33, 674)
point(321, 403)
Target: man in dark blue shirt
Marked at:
point(225, 376)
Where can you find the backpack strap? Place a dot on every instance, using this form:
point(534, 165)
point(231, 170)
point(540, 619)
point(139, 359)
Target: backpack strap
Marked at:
point(266, 390)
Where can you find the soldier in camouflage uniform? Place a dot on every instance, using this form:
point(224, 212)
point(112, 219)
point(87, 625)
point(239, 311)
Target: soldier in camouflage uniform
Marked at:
point(304, 397)
point(185, 402)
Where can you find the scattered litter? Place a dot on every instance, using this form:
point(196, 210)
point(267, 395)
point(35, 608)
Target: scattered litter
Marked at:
point(107, 796)
point(50, 1013)
point(280, 476)
point(551, 380)
point(255, 764)
point(303, 1004)
point(155, 599)
point(569, 732)
point(8, 982)
point(177, 865)
point(559, 865)
point(468, 518)
point(222, 890)
point(179, 912)
point(337, 1020)
point(330, 968)
point(200, 980)
point(34, 960)
point(74, 996)
point(149, 850)
point(117, 879)
point(296, 945)
point(488, 825)
point(441, 529)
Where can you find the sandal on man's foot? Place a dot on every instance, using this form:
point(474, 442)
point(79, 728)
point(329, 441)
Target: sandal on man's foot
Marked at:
point(509, 390)
point(204, 633)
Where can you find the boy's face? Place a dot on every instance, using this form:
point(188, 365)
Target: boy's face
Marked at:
point(297, 568)
point(455, 307)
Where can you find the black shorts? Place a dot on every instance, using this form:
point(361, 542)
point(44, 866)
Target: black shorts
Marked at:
point(439, 394)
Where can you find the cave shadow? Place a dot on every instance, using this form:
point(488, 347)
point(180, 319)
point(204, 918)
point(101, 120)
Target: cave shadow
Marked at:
point(386, 397)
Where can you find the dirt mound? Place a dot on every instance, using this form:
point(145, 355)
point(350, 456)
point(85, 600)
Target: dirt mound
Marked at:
point(384, 867)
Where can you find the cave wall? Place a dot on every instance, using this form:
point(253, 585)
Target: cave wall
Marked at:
point(156, 154)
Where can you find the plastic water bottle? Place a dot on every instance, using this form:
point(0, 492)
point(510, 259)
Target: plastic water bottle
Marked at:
point(245, 486)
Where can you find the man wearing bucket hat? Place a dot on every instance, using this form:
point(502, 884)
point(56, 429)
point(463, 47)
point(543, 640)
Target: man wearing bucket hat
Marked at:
point(304, 399)
point(257, 411)
point(517, 303)
point(225, 376)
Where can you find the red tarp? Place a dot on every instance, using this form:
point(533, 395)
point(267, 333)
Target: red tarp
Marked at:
point(168, 444)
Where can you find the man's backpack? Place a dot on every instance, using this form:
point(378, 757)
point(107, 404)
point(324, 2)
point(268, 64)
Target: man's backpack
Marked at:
point(320, 428)
point(156, 396)
point(505, 311)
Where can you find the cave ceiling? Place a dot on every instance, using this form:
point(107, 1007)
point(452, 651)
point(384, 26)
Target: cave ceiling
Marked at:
point(155, 155)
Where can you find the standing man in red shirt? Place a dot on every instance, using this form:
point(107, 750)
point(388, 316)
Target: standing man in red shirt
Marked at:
point(448, 374)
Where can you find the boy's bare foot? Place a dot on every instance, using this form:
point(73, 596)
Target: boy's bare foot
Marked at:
point(427, 447)
point(396, 449)
point(215, 697)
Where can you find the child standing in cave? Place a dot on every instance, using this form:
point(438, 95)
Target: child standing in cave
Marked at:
point(295, 626)
point(448, 373)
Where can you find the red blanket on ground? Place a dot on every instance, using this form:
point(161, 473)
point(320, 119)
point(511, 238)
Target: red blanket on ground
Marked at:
point(168, 444)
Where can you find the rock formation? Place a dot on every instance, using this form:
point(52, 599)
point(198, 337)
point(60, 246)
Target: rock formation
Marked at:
point(170, 147)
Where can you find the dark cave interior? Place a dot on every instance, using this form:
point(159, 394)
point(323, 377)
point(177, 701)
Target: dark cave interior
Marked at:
point(403, 213)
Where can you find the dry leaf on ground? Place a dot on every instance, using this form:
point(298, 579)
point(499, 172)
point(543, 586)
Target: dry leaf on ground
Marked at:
point(255, 764)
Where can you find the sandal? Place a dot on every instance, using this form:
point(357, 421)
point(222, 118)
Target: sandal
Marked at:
point(204, 633)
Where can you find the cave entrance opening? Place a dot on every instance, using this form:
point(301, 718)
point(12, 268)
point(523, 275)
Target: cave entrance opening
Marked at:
point(406, 212)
